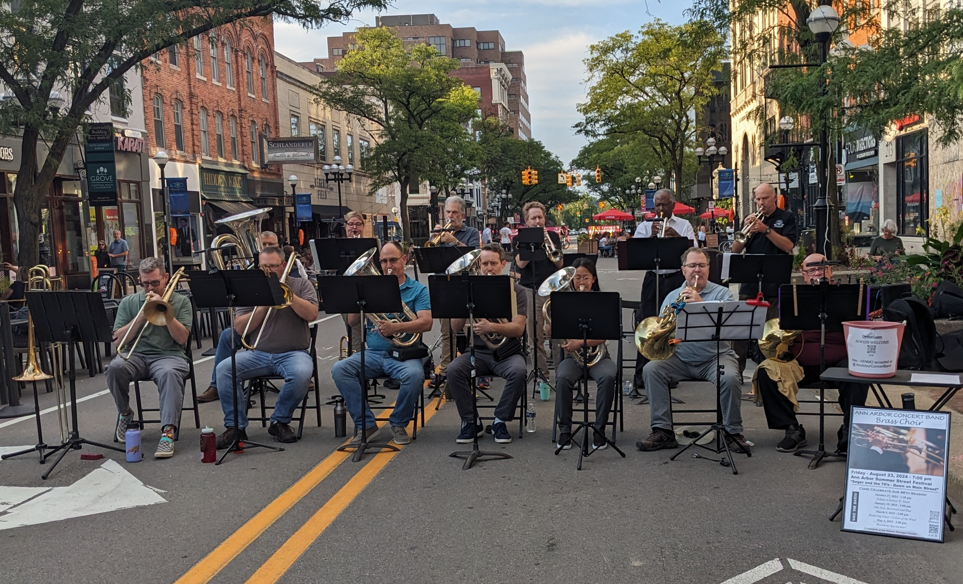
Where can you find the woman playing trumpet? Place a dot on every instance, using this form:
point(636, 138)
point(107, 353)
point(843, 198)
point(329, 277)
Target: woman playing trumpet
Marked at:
point(569, 371)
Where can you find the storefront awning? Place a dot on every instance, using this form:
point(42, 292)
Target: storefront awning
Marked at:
point(226, 198)
point(232, 207)
point(329, 210)
point(866, 163)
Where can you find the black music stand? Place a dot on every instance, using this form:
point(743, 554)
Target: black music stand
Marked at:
point(361, 295)
point(529, 247)
point(569, 258)
point(849, 302)
point(470, 297)
point(717, 322)
point(596, 316)
point(760, 269)
point(337, 253)
point(230, 289)
point(70, 317)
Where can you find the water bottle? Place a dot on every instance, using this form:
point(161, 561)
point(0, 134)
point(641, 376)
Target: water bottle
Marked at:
point(627, 387)
point(208, 445)
point(530, 417)
point(909, 401)
point(340, 419)
point(132, 441)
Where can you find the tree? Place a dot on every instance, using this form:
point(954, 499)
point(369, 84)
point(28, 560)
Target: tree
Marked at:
point(74, 50)
point(410, 96)
point(649, 85)
point(621, 159)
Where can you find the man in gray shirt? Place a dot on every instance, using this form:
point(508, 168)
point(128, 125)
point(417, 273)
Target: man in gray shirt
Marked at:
point(693, 361)
point(282, 350)
point(118, 252)
point(461, 235)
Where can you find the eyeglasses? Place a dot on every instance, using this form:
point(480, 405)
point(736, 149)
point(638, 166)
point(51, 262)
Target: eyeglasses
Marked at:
point(389, 260)
point(354, 224)
point(150, 283)
point(271, 266)
point(814, 271)
point(694, 266)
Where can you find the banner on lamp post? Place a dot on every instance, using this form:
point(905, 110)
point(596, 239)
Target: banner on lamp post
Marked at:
point(177, 199)
point(302, 207)
point(650, 199)
point(727, 183)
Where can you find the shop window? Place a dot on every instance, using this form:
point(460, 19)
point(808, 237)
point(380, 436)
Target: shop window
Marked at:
point(912, 183)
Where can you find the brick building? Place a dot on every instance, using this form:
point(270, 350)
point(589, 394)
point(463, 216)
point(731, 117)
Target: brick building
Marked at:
point(210, 104)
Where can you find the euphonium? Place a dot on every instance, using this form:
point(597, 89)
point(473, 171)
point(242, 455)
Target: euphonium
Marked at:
point(742, 236)
point(654, 334)
point(468, 264)
point(553, 253)
point(436, 238)
point(364, 266)
point(561, 281)
point(288, 299)
point(157, 312)
point(343, 346)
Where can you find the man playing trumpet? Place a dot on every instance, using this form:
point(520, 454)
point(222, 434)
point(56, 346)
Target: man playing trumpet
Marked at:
point(461, 235)
point(160, 355)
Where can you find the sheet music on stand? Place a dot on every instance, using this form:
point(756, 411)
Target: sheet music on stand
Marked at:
point(697, 321)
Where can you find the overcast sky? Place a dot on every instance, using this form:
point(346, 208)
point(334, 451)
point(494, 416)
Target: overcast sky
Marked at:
point(554, 34)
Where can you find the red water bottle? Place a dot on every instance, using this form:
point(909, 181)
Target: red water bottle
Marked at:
point(208, 445)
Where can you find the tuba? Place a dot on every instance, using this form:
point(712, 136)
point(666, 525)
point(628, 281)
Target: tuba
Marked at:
point(561, 281)
point(468, 264)
point(364, 266)
point(246, 239)
point(654, 335)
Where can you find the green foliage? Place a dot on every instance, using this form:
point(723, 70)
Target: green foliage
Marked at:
point(622, 160)
point(942, 257)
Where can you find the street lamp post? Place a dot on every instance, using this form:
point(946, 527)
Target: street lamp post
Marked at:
point(823, 21)
point(161, 158)
point(293, 181)
point(339, 174)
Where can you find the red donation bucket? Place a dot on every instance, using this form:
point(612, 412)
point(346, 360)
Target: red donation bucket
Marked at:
point(873, 347)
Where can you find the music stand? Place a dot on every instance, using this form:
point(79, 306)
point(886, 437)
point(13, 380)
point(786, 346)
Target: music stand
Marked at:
point(569, 258)
point(717, 322)
point(361, 295)
point(470, 297)
point(529, 246)
point(596, 316)
point(337, 253)
point(850, 302)
point(760, 269)
point(70, 317)
point(230, 289)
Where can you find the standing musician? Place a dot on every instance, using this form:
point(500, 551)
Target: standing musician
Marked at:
point(668, 279)
point(694, 361)
point(569, 372)
point(160, 355)
point(533, 273)
point(354, 229)
point(410, 373)
point(774, 233)
point(282, 350)
point(506, 362)
point(461, 235)
point(776, 383)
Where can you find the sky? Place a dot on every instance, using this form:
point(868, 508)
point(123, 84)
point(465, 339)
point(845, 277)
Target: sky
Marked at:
point(554, 35)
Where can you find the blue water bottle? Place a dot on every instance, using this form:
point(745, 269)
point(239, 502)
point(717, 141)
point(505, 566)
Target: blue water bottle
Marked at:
point(132, 441)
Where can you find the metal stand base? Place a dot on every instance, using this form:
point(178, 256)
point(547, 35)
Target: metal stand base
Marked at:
point(242, 445)
point(74, 442)
point(818, 456)
point(475, 455)
point(360, 448)
point(722, 444)
point(583, 450)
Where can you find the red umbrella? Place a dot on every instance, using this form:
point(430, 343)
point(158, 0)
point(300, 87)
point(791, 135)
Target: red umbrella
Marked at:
point(612, 215)
point(682, 209)
point(715, 213)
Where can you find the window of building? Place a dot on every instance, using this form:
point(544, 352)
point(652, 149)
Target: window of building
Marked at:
point(501, 47)
point(267, 131)
point(512, 96)
point(440, 43)
point(349, 143)
point(262, 67)
point(486, 46)
point(118, 98)
point(198, 57)
point(228, 65)
point(317, 129)
point(462, 42)
point(364, 149)
point(912, 183)
point(159, 121)
point(219, 133)
point(172, 56)
point(205, 138)
point(336, 142)
point(477, 91)
point(233, 129)
point(295, 124)
point(464, 60)
point(179, 125)
point(215, 70)
point(254, 156)
point(337, 52)
point(250, 74)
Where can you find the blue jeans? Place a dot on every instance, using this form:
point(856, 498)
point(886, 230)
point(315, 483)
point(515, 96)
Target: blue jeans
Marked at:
point(347, 377)
point(224, 351)
point(294, 366)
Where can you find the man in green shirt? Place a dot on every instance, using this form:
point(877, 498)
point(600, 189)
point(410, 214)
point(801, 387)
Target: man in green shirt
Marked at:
point(161, 355)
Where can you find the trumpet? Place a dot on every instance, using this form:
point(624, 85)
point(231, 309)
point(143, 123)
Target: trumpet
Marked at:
point(288, 299)
point(553, 253)
point(157, 312)
point(436, 238)
point(664, 223)
point(743, 235)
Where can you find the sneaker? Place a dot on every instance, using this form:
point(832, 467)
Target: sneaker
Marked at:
point(400, 435)
point(842, 439)
point(392, 384)
point(598, 442)
point(740, 443)
point(165, 448)
point(468, 432)
point(209, 395)
point(564, 441)
point(123, 420)
point(371, 433)
point(500, 432)
point(659, 438)
point(227, 437)
point(794, 440)
point(544, 391)
point(484, 383)
point(282, 433)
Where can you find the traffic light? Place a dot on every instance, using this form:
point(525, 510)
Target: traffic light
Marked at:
point(598, 174)
point(601, 204)
point(560, 206)
point(578, 180)
point(525, 179)
point(568, 179)
point(534, 177)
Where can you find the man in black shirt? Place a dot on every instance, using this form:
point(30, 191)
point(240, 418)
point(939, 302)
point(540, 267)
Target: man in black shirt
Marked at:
point(775, 233)
point(533, 273)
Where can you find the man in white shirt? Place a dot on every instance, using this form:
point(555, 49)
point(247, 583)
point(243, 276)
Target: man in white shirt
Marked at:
point(506, 237)
point(487, 235)
point(668, 279)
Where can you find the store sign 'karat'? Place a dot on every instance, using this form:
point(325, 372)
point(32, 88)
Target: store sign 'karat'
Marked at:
point(136, 145)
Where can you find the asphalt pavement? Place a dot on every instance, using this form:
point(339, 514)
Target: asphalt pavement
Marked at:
point(310, 514)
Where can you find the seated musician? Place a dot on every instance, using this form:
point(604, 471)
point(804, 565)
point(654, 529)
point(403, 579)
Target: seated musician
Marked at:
point(461, 235)
point(776, 383)
point(569, 372)
point(694, 361)
point(506, 362)
point(378, 363)
point(281, 350)
point(160, 355)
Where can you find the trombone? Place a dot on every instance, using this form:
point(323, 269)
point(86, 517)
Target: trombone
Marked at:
point(436, 238)
point(157, 312)
point(288, 299)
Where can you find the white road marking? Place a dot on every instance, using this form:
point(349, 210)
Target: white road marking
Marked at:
point(758, 573)
point(108, 488)
point(821, 573)
point(771, 567)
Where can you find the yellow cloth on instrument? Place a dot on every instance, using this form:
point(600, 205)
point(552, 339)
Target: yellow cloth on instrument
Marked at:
point(785, 375)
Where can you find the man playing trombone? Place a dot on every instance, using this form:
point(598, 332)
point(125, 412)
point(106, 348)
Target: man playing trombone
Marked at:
point(278, 340)
point(159, 354)
point(506, 361)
